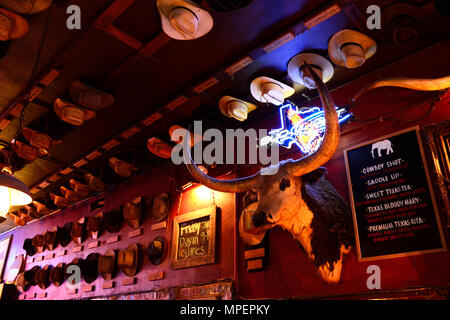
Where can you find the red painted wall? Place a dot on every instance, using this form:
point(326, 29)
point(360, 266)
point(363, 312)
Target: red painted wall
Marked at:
point(290, 273)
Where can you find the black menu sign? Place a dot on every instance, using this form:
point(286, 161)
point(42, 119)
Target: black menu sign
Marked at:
point(394, 211)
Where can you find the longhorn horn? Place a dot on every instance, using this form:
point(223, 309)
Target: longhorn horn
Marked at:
point(409, 83)
point(297, 167)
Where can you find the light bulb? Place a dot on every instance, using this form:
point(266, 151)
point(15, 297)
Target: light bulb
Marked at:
point(5, 200)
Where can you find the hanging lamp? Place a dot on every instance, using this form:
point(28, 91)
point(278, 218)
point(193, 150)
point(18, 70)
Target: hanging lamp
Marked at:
point(13, 192)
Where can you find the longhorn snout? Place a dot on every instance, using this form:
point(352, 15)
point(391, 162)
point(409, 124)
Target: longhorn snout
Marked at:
point(259, 219)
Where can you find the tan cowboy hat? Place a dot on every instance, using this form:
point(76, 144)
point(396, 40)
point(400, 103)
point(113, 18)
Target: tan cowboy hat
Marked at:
point(235, 108)
point(12, 26)
point(245, 225)
point(72, 113)
point(184, 19)
point(26, 6)
point(38, 139)
point(296, 71)
point(132, 212)
point(159, 148)
point(107, 264)
point(128, 259)
point(122, 168)
point(90, 97)
point(160, 206)
point(350, 48)
point(268, 90)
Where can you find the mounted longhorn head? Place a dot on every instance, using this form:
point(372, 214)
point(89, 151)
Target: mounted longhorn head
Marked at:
point(299, 200)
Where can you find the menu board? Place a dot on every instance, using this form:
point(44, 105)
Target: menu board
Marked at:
point(193, 240)
point(394, 211)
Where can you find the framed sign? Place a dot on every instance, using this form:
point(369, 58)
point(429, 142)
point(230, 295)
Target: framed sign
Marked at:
point(4, 249)
point(194, 238)
point(393, 205)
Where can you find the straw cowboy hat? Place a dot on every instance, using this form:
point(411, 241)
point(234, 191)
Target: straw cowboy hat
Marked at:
point(132, 212)
point(268, 90)
point(184, 19)
point(78, 231)
point(113, 220)
point(57, 274)
point(160, 206)
point(72, 113)
point(350, 48)
point(156, 250)
point(90, 97)
point(128, 260)
point(12, 26)
point(89, 271)
point(122, 168)
point(15, 269)
point(299, 74)
point(107, 265)
point(245, 224)
point(64, 234)
point(38, 139)
point(94, 225)
point(26, 6)
point(235, 108)
point(159, 148)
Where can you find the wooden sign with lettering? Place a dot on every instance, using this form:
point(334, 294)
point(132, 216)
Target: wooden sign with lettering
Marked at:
point(160, 225)
point(49, 256)
point(88, 288)
point(94, 244)
point(254, 264)
point(77, 249)
point(72, 290)
point(393, 205)
point(194, 236)
point(128, 281)
point(112, 239)
point(135, 233)
point(156, 276)
point(254, 253)
point(61, 253)
point(108, 285)
point(42, 295)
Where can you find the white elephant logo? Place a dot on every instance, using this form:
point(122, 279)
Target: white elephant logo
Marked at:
point(382, 145)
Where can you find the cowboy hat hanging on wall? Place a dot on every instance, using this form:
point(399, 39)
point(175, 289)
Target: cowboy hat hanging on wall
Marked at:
point(350, 49)
point(184, 19)
point(268, 90)
point(299, 74)
point(26, 6)
point(107, 264)
point(57, 274)
point(156, 250)
point(160, 206)
point(113, 220)
point(235, 108)
point(12, 26)
point(128, 260)
point(132, 212)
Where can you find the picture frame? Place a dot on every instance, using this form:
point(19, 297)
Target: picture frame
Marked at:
point(5, 244)
point(194, 238)
point(438, 143)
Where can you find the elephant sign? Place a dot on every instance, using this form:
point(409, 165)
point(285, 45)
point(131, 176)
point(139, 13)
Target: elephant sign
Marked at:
point(381, 145)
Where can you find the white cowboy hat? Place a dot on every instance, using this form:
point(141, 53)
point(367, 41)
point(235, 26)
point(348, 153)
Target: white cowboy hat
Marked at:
point(350, 48)
point(268, 90)
point(323, 68)
point(235, 108)
point(184, 19)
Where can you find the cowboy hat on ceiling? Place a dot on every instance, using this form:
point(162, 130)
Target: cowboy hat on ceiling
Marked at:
point(350, 49)
point(268, 90)
point(235, 108)
point(299, 74)
point(121, 168)
point(184, 19)
point(90, 97)
point(26, 6)
point(12, 26)
point(72, 113)
point(159, 148)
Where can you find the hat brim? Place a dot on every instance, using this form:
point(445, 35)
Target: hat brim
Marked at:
point(19, 25)
point(205, 20)
point(223, 105)
point(349, 36)
point(298, 61)
point(59, 105)
point(257, 84)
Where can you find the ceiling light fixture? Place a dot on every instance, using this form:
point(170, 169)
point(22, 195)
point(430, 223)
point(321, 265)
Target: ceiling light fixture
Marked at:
point(13, 192)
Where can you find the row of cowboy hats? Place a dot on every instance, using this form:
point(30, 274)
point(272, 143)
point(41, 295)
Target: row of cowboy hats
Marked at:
point(346, 48)
point(78, 190)
point(96, 224)
point(188, 20)
point(128, 261)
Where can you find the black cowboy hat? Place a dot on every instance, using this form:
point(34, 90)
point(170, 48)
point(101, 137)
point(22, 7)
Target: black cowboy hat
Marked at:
point(113, 220)
point(28, 247)
point(38, 243)
point(156, 250)
point(64, 234)
point(89, 271)
point(30, 275)
point(42, 277)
